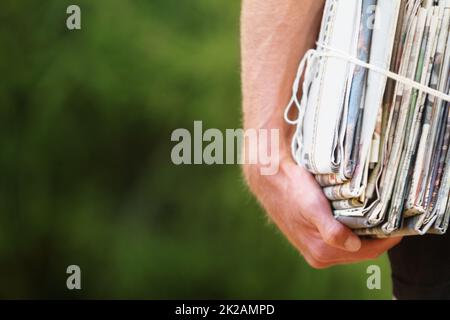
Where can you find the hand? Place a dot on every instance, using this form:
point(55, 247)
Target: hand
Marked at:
point(275, 35)
point(296, 203)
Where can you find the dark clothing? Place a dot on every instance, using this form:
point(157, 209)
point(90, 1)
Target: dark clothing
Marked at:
point(421, 267)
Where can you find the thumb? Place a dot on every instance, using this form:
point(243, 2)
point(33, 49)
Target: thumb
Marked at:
point(316, 209)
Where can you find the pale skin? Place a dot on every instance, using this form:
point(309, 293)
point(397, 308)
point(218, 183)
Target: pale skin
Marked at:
point(275, 34)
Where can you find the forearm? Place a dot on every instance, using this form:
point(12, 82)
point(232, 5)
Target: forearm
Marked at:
point(275, 35)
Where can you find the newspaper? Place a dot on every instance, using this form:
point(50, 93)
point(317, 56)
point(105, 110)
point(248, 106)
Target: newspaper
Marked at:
point(379, 148)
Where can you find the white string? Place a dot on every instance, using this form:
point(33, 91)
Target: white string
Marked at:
point(304, 68)
point(334, 53)
point(294, 99)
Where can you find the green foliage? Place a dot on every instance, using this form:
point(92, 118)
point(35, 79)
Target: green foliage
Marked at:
point(86, 177)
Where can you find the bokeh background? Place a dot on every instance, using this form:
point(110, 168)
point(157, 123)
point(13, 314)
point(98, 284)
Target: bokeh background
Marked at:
point(85, 170)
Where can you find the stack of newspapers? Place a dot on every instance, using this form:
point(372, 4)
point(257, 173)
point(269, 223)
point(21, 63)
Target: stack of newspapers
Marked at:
point(373, 114)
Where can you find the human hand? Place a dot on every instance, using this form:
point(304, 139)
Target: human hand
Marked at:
point(296, 203)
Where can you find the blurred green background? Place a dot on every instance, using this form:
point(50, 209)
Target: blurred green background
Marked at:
point(85, 170)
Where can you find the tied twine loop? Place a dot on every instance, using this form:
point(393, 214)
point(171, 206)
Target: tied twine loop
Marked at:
point(305, 69)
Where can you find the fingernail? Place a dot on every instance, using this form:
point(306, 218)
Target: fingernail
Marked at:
point(352, 244)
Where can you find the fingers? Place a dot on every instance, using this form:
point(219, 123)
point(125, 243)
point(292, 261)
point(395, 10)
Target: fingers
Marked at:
point(316, 210)
point(322, 239)
point(336, 234)
point(373, 248)
point(320, 255)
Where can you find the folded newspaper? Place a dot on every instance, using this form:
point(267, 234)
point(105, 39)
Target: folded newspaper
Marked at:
point(373, 118)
